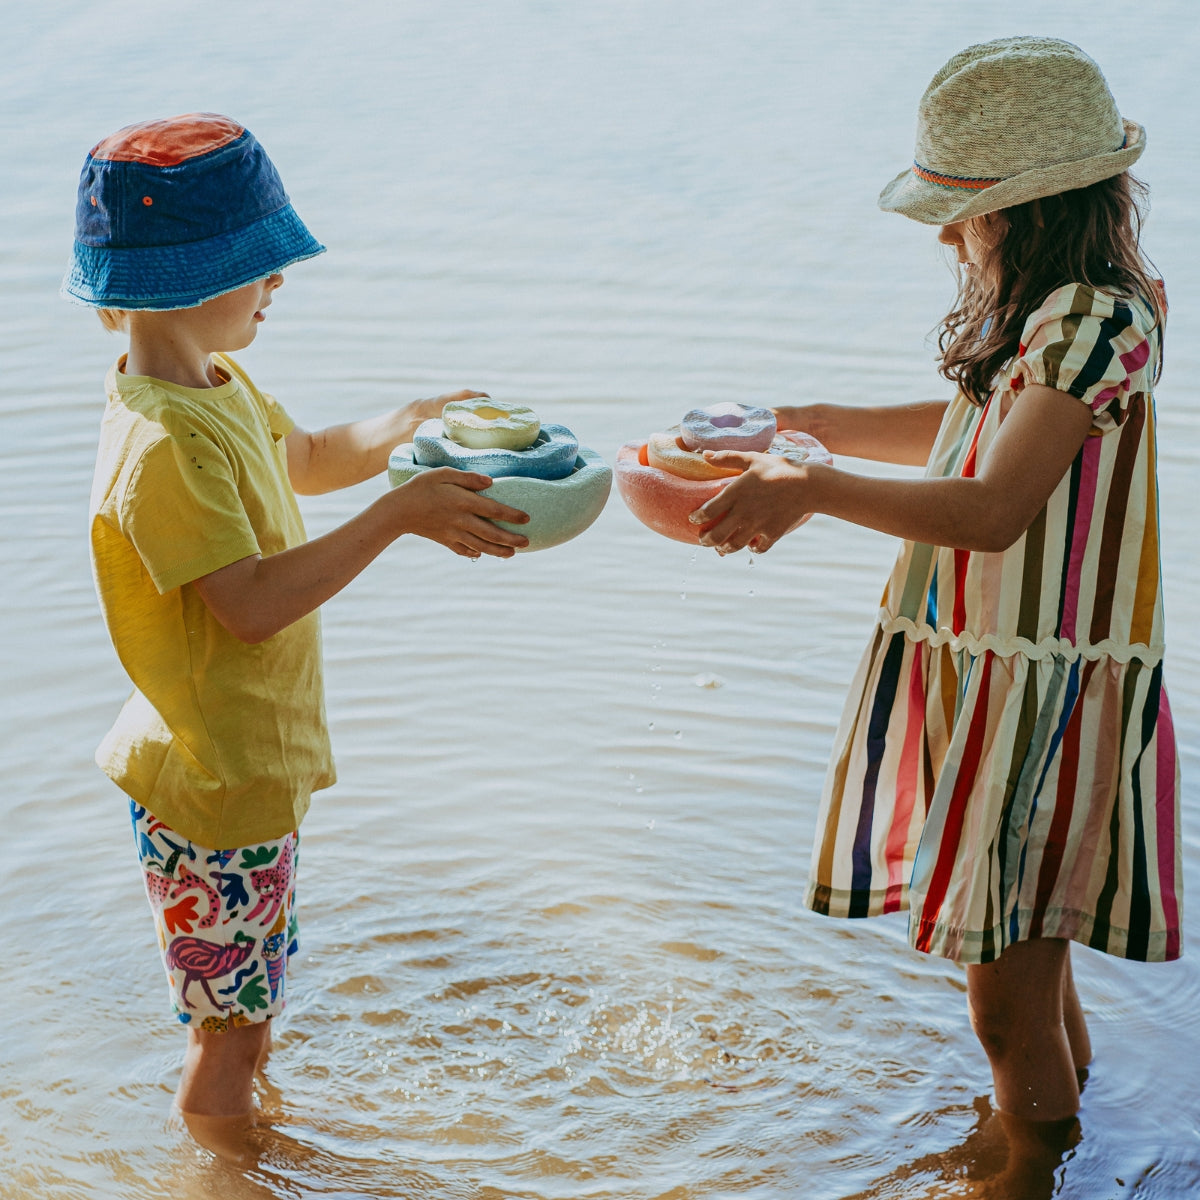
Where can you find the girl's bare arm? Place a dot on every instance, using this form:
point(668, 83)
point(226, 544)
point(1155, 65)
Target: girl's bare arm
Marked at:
point(898, 433)
point(1037, 442)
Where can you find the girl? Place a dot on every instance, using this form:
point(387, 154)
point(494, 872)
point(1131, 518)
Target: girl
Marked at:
point(1006, 765)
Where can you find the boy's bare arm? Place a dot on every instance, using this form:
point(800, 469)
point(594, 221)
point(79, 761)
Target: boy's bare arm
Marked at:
point(897, 433)
point(343, 455)
point(256, 597)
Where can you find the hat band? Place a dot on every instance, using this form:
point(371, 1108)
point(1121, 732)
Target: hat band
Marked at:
point(953, 181)
point(966, 182)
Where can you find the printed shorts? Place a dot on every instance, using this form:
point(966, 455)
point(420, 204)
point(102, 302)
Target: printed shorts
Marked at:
point(225, 919)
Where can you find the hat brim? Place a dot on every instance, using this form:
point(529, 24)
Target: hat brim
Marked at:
point(943, 204)
point(162, 278)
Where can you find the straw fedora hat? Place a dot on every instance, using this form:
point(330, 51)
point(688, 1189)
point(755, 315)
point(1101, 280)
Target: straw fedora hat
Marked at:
point(1008, 121)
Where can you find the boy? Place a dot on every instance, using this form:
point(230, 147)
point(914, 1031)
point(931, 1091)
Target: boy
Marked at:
point(207, 583)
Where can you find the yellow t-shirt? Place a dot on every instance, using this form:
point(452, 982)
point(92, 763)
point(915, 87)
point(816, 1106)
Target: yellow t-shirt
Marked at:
point(223, 741)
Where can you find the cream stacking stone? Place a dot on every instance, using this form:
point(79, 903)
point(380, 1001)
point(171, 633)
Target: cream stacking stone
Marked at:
point(481, 423)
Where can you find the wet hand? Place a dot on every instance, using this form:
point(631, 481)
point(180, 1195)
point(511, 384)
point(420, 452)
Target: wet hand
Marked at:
point(756, 508)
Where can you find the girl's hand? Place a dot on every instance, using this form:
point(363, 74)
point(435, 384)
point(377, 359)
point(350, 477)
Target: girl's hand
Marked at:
point(898, 433)
point(756, 508)
point(444, 506)
point(798, 417)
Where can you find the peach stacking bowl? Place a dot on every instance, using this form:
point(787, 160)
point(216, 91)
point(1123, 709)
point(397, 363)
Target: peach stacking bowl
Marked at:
point(663, 501)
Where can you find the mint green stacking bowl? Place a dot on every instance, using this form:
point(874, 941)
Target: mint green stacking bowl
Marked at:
point(559, 509)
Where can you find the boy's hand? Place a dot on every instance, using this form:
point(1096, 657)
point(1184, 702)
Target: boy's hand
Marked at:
point(424, 410)
point(756, 508)
point(444, 506)
point(344, 455)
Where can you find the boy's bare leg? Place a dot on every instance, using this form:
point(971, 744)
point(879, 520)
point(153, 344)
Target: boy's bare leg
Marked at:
point(1017, 1013)
point(218, 1070)
point(216, 1088)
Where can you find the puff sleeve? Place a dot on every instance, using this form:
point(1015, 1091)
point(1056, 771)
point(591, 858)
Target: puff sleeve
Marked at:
point(1093, 346)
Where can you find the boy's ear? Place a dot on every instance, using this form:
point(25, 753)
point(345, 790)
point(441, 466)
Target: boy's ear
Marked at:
point(115, 320)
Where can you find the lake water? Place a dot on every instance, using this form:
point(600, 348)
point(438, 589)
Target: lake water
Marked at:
point(553, 942)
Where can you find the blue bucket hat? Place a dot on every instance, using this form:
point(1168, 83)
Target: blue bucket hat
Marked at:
point(174, 212)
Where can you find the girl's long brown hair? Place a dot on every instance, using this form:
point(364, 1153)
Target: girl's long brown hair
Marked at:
point(1089, 235)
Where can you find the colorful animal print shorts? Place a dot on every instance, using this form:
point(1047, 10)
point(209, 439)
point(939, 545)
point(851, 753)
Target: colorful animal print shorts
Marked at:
point(225, 919)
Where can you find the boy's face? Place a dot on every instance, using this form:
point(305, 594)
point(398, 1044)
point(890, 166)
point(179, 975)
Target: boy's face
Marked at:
point(230, 322)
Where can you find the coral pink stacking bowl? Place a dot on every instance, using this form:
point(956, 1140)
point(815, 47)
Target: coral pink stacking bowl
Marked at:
point(662, 501)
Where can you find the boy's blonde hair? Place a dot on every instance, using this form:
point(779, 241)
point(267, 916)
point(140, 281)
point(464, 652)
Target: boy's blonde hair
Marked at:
point(115, 320)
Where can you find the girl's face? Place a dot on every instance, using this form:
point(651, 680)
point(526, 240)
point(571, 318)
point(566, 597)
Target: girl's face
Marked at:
point(973, 240)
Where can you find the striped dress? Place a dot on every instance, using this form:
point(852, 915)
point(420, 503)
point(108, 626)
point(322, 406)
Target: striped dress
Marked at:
point(1006, 767)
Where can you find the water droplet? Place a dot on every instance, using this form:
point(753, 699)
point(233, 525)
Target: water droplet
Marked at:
point(750, 592)
point(650, 823)
point(651, 725)
point(639, 790)
point(683, 595)
point(678, 734)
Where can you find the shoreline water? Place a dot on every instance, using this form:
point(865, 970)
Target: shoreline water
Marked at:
point(553, 941)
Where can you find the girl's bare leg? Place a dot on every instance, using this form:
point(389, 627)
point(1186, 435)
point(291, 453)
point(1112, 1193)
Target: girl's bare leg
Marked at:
point(1017, 1012)
point(1076, 1026)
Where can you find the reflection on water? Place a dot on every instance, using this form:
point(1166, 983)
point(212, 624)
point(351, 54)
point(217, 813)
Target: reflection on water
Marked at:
point(1001, 1158)
point(552, 942)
